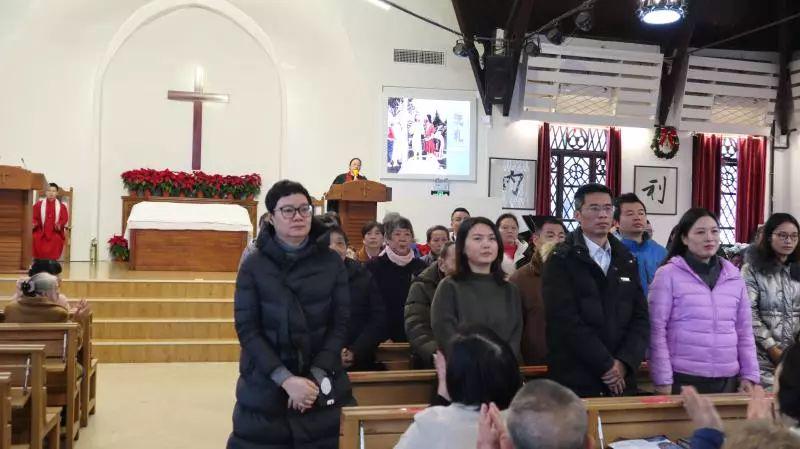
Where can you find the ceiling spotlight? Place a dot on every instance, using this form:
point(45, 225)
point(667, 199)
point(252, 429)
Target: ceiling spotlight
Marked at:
point(532, 48)
point(554, 35)
point(460, 49)
point(584, 21)
point(661, 12)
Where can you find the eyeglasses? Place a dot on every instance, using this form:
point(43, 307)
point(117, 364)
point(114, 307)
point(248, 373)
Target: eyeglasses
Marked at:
point(786, 237)
point(287, 212)
point(595, 209)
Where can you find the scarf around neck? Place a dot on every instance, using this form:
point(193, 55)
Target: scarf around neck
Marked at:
point(43, 209)
point(397, 259)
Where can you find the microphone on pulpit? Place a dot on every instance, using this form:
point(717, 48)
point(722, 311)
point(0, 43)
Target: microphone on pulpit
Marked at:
point(24, 165)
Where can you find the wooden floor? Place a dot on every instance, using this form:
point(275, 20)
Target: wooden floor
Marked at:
point(154, 316)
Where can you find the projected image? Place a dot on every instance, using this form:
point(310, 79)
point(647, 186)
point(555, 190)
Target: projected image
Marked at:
point(428, 137)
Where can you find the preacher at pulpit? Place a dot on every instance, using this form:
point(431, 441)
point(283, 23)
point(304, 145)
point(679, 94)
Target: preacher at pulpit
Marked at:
point(353, 173)
point(49, 219)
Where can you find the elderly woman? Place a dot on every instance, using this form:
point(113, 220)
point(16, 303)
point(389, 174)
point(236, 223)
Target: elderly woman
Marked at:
point(291, 308)
point(393, 271)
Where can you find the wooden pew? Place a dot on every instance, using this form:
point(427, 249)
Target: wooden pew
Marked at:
point(380, 427)
point(419, 386)
point(409, 386)
point(32, 421)
point(612, 419)
point(394, 356)
point(89, 379)
point(61, 360)
point(5, 410)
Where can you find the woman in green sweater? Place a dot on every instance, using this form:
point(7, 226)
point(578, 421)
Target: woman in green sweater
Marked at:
point(478, 293)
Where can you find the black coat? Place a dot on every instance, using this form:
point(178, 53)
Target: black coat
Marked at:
point(367, 327)
point(291, 310)
point(393, 282)
point(592, 317)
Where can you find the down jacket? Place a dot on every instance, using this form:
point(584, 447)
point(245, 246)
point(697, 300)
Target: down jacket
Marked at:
point(697, 330)
point(593, 318)
point(291, 311)
point(418, 314)
point(775, 300)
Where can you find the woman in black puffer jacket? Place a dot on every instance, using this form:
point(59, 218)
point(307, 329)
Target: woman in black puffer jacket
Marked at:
point(291, 312)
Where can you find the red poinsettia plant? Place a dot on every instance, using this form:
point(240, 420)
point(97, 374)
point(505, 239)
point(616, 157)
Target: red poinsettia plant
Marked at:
point(171, 183)
point(118, 248)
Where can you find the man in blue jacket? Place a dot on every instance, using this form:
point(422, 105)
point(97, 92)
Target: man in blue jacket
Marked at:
point(631, 218)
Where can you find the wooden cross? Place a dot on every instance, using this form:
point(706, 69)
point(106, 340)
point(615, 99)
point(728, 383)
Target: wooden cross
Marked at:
point(197, 97)
point(4, 177)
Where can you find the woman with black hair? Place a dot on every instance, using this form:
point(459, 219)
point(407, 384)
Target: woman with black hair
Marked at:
point(353, 173)
point(478, 293)
point(291, 309)
point(772, 276)
point(367, 324)
point(701, 331)
point(481, 369)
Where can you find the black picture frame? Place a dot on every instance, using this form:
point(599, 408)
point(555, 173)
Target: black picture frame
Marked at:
point(528, 202)
point(670, 205)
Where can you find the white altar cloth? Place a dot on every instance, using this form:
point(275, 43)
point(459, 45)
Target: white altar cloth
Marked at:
point(182, 216)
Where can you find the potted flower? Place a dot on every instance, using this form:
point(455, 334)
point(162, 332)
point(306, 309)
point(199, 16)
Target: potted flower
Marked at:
point(118, 248)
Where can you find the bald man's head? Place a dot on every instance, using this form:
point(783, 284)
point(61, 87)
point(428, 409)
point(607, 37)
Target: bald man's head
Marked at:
point(546, 415)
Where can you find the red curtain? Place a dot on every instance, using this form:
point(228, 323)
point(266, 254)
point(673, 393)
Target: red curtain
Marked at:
point(706, 165)
point(543, 172)
point(614, 161)
point(750, 186)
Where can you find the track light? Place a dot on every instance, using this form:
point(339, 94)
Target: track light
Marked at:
point(554, 35)
point(460, 49)
point(584, 21)
point(661, 12)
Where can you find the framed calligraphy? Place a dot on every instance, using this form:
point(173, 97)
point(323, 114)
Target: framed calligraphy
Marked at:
point(513, 180)
point(657, 187)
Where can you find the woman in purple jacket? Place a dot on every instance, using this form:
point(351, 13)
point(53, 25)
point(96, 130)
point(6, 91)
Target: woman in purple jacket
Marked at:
point(700, 321)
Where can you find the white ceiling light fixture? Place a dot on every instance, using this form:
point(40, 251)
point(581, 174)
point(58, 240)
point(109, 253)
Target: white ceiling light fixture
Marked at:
point(381, 4)
point(661, 12)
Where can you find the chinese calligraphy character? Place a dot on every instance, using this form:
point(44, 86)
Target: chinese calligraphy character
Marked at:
point(515, 179)
point(656, 186)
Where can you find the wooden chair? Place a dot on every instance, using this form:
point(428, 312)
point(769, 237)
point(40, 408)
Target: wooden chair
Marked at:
point(66, 197)
point(409, 386)
point(61, 359)
point(32, 421)
point(89, 379)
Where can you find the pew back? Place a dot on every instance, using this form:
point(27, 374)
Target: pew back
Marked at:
point(407, 386)
point(612, 419)
point(609, 419)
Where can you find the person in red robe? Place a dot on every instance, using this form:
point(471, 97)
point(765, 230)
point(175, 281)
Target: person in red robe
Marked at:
point(49, 219)
point(430, 143)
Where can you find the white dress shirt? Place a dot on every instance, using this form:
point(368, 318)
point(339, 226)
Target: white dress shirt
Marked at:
point(600, 254)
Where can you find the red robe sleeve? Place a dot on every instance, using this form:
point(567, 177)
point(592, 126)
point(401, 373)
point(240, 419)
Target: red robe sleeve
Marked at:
point(63, 218)
point(37, 218)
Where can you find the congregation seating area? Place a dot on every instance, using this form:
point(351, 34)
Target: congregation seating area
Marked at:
point(48, 384)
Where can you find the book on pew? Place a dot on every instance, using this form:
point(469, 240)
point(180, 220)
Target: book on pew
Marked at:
point(656, 442)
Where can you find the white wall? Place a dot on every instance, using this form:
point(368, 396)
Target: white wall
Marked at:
point(332, 58)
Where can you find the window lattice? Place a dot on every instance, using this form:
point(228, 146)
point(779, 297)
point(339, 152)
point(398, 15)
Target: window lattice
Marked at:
point(577, 157)
point(728, 179)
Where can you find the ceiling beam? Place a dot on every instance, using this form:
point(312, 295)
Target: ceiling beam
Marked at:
point(474, 59)
point(516, 27)
point(674, 68)
point(783, 103)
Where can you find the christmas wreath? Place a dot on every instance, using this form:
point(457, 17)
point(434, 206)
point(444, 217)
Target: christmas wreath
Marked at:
point(665, 142)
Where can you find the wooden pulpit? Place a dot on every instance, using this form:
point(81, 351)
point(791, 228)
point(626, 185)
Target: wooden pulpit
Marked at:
point(358, 204)
point(17, 187)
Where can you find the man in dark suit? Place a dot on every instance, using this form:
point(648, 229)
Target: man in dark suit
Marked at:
point(597, 320)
